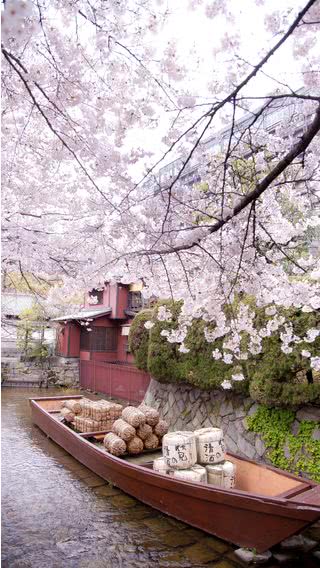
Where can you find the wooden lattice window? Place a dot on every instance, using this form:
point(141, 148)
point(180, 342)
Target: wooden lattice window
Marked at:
point(85, 340)
point(99, 339)
point(111, 339)
point(134, 301)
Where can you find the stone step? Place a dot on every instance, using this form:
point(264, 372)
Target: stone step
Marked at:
point(16, 384)
point(25, 379)
point(10, 360)
point(10, 354)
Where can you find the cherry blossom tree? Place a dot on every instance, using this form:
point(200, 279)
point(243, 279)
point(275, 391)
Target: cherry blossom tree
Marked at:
point(87, 86)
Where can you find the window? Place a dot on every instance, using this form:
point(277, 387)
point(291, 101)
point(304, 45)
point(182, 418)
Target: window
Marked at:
point(96, 296)
point(134, 301)
point(85, 340)
point(99, 339)
point(111, 339)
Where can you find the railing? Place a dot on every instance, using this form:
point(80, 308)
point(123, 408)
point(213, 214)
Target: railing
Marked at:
point(115, 380)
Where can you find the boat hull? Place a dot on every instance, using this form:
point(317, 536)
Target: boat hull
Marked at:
point(252, 521)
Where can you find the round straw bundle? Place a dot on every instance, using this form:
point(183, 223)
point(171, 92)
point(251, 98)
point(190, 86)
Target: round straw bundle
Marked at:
point(161, 428)
point(135, 446)
point(73, 405)
point(123, 430)
point(67, 414)
point(133, 416)
point(144, 431)
point(115, 445)
point(151, 442)
point(151, 414)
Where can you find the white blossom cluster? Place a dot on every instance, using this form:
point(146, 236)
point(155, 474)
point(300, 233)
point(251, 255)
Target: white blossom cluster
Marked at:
point(93, 106)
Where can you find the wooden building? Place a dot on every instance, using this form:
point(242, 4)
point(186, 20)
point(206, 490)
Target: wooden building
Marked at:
point(99, 331)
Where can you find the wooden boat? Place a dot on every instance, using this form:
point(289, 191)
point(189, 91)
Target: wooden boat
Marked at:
point(266, 506)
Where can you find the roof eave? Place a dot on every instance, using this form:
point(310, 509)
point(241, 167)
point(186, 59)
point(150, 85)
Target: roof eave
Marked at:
point(79, 316)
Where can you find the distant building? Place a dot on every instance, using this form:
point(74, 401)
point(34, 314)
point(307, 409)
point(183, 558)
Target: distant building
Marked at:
point(278, 111)
point(99, 331)
point(13, 303)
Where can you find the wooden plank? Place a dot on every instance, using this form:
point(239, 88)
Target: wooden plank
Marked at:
point(295, 491)
point(311, 497)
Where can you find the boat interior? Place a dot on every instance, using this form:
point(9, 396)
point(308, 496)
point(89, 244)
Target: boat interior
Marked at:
point(250, 476)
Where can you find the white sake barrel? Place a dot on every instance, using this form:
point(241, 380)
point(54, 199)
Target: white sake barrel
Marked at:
point(222, 474)
point(179, 449)
point(160, 465)
point(210, 445)
point(196, 473)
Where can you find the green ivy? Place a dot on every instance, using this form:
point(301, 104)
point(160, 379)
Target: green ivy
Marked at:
point(274, 426)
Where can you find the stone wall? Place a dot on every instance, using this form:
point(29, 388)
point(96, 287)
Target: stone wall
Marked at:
point(64, 371)
point(187, 408)
point(55, 371)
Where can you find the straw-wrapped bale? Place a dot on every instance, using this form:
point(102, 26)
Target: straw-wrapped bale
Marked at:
point(96, 415)
point(161, 428)
point(109, 410)
point(73, 405)
point(133, 416)
point(123, 429)
point(100, 410)
point(90, 425)
point(144, 431)
point(85, 404)
point(113, 444)
point(67, 414)
point(151, 442)
point(151, 414)
point(135, 446)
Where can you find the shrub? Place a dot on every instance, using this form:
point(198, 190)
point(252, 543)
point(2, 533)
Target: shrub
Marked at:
point(163, 357)
point(164, 360)
point(279, 379)
point(199, 367)
point(272, 377)
point(139, 339)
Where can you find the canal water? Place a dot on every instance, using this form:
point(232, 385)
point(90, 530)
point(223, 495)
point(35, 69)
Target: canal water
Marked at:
point(57, 514)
